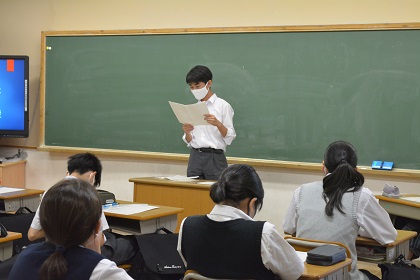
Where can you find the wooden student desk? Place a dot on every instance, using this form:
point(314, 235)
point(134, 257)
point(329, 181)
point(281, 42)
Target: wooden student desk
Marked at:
point(338, 271)
point(193, 197)
point(11, 201)
point(400, 206)
point(331, 272)
point(144, 222)
point(394, 249)
point(6, 244)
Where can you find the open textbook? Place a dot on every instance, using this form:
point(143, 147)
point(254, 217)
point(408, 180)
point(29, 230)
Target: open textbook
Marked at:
point(192, 114)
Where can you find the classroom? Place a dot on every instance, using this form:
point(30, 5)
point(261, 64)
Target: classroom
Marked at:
point(22, 23)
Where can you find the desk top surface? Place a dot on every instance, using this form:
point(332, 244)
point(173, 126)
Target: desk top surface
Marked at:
point(400, 200)
point(162, 181)
point(162, 211)
point(317, 272)
point(21, 193)
point(10, 236)
point(402, 235)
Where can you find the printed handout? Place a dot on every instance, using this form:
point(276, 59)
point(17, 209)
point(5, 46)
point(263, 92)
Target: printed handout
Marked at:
point(192, 113)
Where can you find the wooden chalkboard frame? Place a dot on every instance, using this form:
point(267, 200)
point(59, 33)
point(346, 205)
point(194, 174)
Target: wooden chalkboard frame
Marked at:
point(302, 166)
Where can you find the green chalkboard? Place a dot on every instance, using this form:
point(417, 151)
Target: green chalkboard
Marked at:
point(293, 92)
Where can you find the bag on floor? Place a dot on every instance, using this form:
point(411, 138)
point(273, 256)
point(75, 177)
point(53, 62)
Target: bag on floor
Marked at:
point(158, 258)
point(400, 269)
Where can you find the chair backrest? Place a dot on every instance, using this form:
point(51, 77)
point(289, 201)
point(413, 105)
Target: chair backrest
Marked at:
point(194, 275)
point(305, 245)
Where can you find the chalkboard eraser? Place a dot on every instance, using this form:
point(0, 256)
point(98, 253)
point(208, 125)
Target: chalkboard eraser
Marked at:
point(387, 165)
point(377, 164)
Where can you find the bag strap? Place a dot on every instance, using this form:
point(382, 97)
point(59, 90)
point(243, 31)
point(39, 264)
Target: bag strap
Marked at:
point(164, 229)
point(23, 210)
point(401, 261)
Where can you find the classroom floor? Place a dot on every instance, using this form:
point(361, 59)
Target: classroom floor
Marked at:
point(374, 268)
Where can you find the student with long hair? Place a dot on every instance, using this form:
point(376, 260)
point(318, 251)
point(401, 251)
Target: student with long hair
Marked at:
point(88, 167)
point(228, 243)
point(70, 216)
point(339, 208)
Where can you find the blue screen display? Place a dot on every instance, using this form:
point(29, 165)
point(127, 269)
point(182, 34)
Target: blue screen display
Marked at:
point(12, 94)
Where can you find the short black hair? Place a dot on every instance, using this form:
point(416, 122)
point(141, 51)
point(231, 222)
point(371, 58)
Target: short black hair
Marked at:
point(85, 162)
point(199, 74)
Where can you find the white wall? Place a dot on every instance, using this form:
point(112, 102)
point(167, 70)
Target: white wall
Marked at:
point(21, 23)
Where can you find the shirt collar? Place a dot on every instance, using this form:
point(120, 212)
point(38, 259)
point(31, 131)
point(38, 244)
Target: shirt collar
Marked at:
point(227, 213)
point(212, 99)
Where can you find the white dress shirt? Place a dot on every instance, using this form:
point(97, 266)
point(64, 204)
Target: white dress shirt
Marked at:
point(107, 269)
point(373, 220)
point(208, 136)
point(36, 223)
point(277, 255)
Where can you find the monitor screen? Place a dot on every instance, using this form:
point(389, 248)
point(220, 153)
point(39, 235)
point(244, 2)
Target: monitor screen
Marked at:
point(14, 96)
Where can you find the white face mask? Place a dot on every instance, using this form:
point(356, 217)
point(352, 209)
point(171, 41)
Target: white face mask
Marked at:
point(200, 93)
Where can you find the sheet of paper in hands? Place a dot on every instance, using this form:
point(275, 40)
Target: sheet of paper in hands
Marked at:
point(192, 113)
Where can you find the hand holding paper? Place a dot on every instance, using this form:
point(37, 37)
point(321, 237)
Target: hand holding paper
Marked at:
point(192, 114)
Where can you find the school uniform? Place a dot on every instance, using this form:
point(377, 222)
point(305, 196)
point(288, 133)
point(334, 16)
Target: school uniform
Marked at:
point(120, 250)
point(218, 243)
point(82, 264)
point(208, 147)
point(362, 216)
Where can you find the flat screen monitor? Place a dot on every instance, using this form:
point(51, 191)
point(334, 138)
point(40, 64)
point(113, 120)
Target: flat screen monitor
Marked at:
point(14, 96)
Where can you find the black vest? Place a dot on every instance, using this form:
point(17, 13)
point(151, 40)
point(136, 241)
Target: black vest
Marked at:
point(225, 250)
point(80, 262)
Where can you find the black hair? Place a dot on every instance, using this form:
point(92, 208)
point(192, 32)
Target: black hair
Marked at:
point(69, 214)
point(83, 163)
point(340, 159)
point(199, 74)
point(236, 183)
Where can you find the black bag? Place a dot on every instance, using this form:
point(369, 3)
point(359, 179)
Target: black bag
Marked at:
point(158, 257)
point(326, 255)
point(118, 248)
point(400, 269)
point(19, 222)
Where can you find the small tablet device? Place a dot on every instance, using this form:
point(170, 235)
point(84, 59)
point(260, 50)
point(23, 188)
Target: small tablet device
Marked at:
point(387, 165)
point(377, 164)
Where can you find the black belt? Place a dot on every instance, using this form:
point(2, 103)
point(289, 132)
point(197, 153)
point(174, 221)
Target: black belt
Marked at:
point(209, 150)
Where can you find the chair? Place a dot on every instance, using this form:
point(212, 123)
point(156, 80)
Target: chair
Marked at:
point(194, 275)
point(304, 245)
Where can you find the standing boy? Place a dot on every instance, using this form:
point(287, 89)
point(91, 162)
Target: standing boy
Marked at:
point(208, 142)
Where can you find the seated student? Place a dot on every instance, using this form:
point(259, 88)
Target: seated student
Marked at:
point(339, 208)
point(70, 216)
point(88, 167)
point(228, 243)
point(412, 225)
point(85, 166)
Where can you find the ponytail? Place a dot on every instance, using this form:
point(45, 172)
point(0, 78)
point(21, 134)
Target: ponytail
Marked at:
point(340, 159)
point(55, 266)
